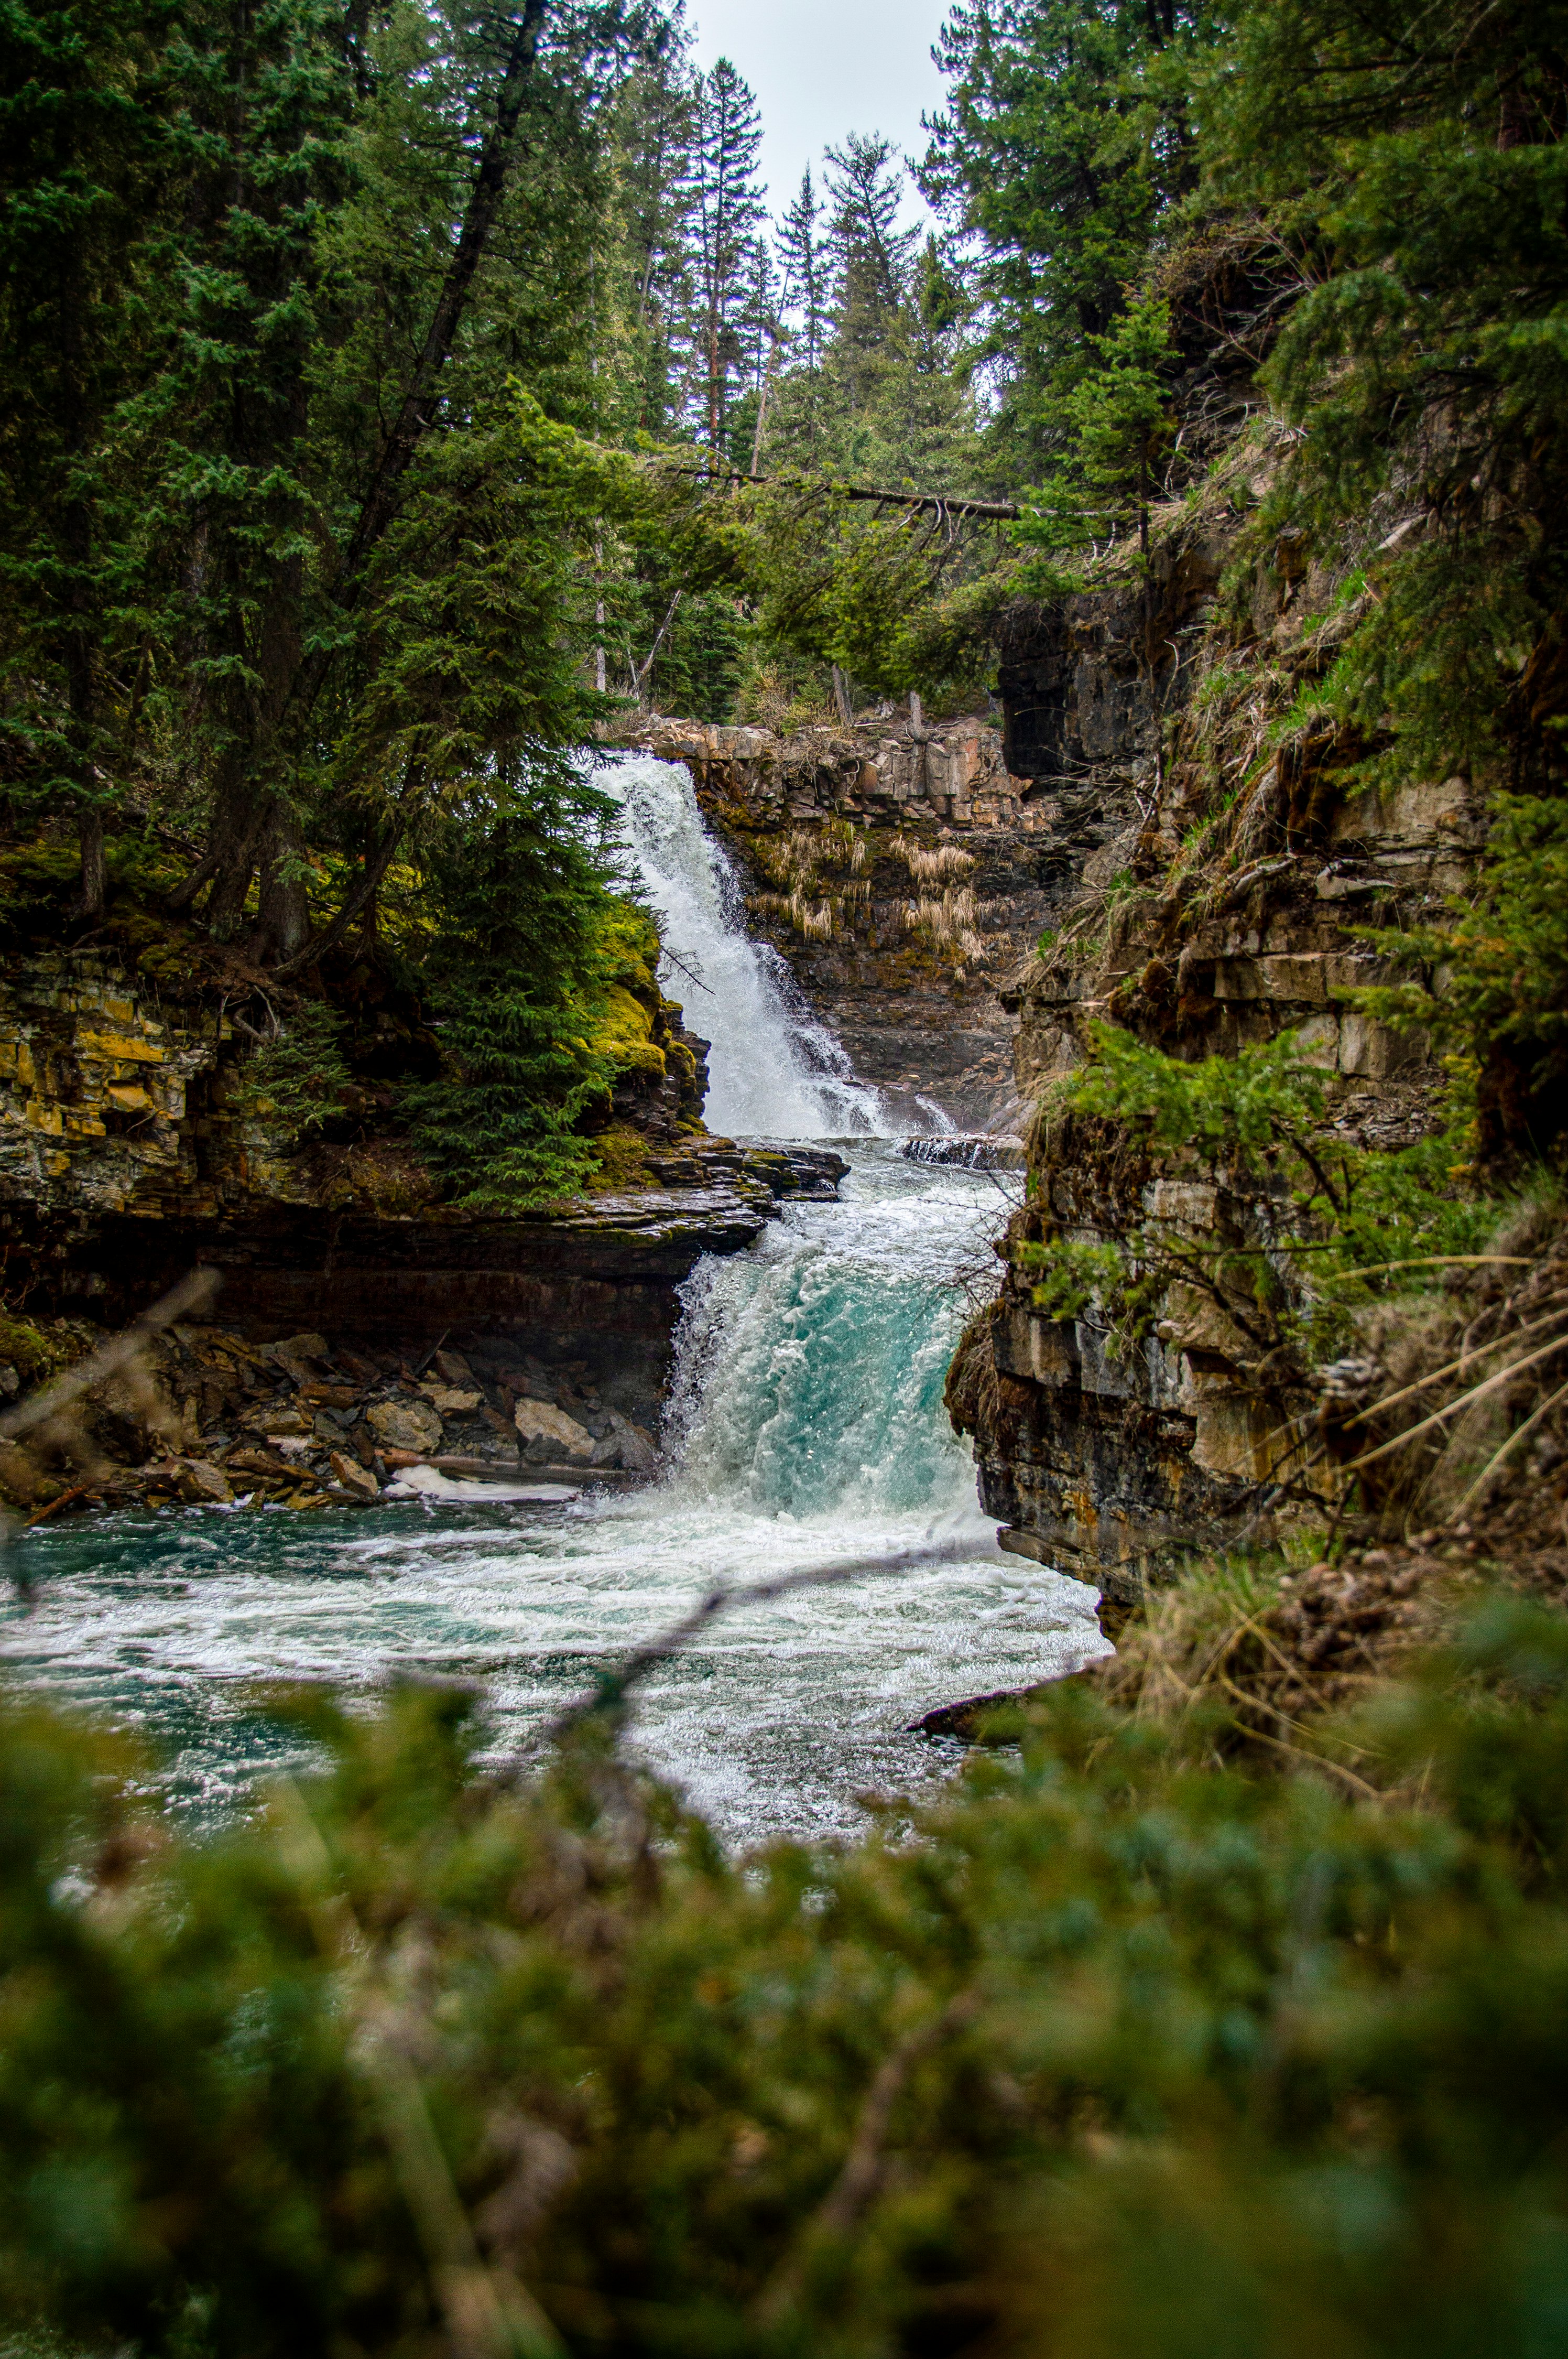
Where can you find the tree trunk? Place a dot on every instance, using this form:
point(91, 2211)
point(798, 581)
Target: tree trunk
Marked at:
point(233, 846)
point(92, 891)
point(841, 698)
point(283, 912)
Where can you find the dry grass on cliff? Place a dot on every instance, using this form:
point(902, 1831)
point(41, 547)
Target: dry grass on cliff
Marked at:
point(940, 864)
point(1451, 1440)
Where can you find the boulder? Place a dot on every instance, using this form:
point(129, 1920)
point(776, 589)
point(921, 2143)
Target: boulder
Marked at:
point(626, 1445)
point(551, 1437)
point(404, 1425)
point(297, 1355)
point(201, 1483)
point(356, 1477)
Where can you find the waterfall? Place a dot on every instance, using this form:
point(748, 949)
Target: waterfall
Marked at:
point(806, 1425)
point(774, 1070)
point(968, 1153)
point(810, 1372)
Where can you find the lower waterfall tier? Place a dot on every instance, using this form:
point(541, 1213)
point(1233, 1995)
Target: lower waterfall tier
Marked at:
point(807, 1426)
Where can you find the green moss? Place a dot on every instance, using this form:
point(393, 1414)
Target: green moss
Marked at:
point(32, 1352)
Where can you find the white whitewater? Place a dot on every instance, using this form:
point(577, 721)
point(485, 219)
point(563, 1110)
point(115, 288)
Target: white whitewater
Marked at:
point(805, 1426)
point(775, 1072)
point(808, 1427)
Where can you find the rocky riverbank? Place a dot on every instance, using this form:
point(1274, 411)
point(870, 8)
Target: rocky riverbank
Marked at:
point(1239, 858)
point(135, 1147)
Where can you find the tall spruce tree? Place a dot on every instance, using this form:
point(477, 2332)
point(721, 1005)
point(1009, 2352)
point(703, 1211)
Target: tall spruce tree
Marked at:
point(1064, 140)
point(871, 257)
point(84, 175)
point(804, 252)
point(654, 134)
point(729, 214)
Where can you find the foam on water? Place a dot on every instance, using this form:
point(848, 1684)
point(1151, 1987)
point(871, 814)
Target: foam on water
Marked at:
point(809, 1427)
point(805, 1427)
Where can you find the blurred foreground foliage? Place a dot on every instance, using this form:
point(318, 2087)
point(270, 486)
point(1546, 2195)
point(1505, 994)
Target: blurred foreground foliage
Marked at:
point(1134, 2050)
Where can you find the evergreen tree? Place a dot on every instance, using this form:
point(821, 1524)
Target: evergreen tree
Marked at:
point(654, 133)
point(871, 259)
point(1413, 156)
point(83, 175)
point(1065, 141)
point(728, 213)
point(806, 263)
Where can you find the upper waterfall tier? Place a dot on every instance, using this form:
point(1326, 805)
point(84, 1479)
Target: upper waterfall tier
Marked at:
point(773, 1071)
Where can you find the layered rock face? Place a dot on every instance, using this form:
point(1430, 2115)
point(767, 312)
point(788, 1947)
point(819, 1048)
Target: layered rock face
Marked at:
point(134, 1146)
point(1217, 911)
point(899, 869)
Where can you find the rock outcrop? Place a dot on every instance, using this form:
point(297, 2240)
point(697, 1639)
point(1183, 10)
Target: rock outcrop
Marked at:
point(1237, 856)
point(900, 869)
point(134, 1147)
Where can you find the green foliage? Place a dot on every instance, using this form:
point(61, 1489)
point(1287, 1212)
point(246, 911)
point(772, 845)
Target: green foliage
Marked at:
point(1064, 143)
point(1114, 423)
point(1306, 1224)
point(1502, 963)
point(300, 1073)
point(517, 974)
point(1413, 157)
point(1127, 2052)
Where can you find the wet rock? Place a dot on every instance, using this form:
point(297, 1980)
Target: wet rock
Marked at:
point(970, 1151)
point(261, 1464)
point(993, 1718)
point(198, 1481)
point(451, 1402)
point(549, 1433)
point(354, 1477)
point(625, 1445)
point(406, 1424)
point(454, 1369)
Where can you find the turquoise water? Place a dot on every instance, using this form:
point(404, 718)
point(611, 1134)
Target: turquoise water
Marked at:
point(805, 1426)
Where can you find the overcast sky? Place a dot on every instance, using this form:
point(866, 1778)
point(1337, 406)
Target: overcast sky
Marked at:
point(821, 68)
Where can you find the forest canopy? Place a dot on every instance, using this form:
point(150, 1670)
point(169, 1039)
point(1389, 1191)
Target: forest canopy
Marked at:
point(394, 393)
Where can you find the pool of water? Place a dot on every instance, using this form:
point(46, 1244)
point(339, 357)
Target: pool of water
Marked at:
point(805, 1427)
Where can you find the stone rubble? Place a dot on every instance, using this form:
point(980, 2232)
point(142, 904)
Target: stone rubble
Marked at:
point(304, 1422)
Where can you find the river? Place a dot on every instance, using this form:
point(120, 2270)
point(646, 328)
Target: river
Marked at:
point(806, 1425)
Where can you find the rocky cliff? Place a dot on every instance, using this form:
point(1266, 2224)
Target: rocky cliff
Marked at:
point(900, 869)
point(1236, 859)
point(135, 1146)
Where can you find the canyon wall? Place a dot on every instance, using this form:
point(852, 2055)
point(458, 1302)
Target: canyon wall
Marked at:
point(134, 1146)
point(1238, 859)
point(899, 869)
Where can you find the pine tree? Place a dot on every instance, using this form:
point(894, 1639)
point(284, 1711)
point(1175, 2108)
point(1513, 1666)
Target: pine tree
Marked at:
point(805, 255)
point(871, 258)
point(728, 213)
